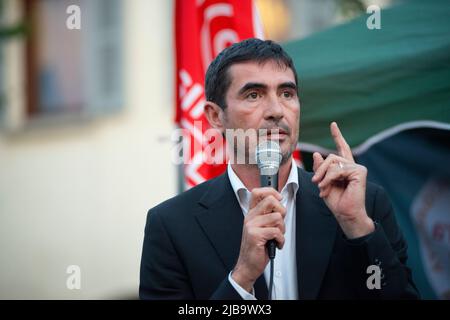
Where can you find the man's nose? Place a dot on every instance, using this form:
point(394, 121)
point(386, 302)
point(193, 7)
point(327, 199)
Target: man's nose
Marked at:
point(274, 109)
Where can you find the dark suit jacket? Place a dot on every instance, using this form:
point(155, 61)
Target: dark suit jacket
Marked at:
point(192, 243)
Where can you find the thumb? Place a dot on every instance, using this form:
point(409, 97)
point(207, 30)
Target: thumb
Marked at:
point(317, 158)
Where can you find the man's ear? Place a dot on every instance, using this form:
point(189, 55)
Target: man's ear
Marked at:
point(214, 114)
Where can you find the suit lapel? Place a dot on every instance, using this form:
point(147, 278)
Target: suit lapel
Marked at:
point(222, 221)
point(315, 234)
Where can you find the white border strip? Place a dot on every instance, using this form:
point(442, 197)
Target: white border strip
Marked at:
point(363, 147)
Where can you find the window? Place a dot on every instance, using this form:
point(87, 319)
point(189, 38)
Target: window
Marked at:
point(73, 71)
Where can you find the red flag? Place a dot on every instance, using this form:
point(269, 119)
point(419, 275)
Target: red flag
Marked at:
point(203, 28)
point(297, 157)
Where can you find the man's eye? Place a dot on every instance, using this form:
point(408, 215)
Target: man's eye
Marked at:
point(287, 94)
point(252, 95)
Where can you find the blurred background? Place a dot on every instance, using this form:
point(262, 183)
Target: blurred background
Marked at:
point(86, 117)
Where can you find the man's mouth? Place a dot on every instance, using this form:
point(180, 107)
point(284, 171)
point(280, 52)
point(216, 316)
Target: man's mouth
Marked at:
point(276, 134)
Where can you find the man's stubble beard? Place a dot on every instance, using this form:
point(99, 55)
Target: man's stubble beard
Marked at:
point(250, 156)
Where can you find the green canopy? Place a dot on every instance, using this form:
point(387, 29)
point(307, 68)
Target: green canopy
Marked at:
point(375, 82)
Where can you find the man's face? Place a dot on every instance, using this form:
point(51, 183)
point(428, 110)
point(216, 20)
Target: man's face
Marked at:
point(263, 96)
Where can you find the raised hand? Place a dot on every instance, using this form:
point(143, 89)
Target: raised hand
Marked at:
point(342, 184)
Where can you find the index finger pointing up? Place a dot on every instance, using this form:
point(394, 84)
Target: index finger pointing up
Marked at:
point(341, 145)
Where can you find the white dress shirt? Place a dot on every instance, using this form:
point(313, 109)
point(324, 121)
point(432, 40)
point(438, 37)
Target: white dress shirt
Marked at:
point(285, 263)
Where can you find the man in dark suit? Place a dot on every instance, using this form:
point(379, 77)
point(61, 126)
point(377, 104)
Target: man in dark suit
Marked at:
point(332, 228)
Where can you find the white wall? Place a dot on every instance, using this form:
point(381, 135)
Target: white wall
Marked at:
point(79, 194)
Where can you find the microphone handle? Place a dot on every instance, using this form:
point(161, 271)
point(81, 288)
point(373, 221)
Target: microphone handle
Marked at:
point(270, 181)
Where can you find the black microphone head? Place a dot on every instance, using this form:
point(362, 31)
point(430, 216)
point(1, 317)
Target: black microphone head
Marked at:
point(268, 157)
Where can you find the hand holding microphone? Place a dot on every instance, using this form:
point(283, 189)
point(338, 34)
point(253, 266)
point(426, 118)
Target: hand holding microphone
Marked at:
point(264, 223)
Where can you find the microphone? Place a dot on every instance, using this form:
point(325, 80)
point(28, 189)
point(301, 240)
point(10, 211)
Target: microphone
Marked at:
point(268, 158)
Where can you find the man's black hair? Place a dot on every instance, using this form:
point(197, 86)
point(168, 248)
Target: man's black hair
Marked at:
point(217, 80)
